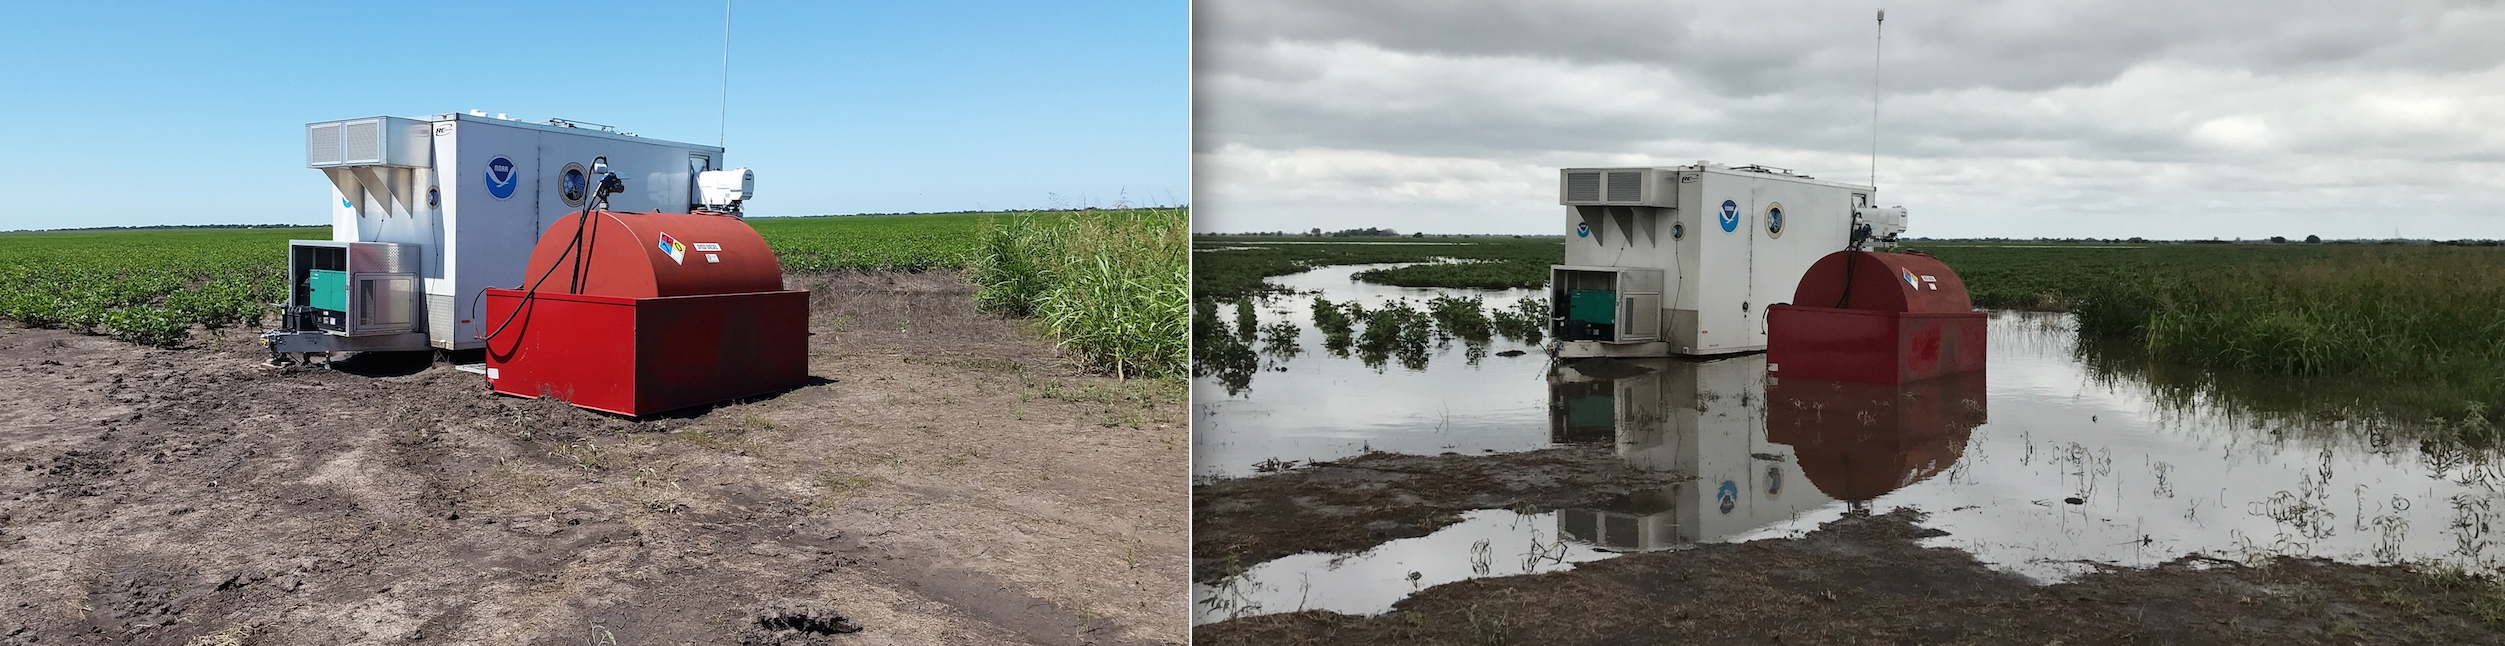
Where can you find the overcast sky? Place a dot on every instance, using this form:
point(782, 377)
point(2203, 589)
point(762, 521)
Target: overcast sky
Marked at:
point(2112, 119)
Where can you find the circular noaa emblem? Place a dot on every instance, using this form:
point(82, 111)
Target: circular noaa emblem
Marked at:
point(573, 185)
point(1583, 230)
point(1728, 496)
point(1774, 220)
point(1730, 216)
point(501, 178)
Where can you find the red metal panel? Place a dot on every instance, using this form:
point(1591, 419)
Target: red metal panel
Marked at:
point(577, 348)
point(639, 356)
point(624, 254)
point(1858, 441)
point(1882, 282)
point(694, 350)
point(1871, 347)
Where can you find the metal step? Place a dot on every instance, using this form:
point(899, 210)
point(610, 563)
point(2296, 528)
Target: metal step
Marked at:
point(479, 368)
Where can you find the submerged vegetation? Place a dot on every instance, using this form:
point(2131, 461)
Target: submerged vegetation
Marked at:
point(1401, 331)
point(1113, 286)
point(2419, 329)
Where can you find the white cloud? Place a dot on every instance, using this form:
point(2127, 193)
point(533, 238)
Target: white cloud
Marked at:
point(2015, 119)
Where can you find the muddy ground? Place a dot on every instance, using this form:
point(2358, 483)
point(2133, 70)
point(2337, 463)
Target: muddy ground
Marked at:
point(948, 479)
point(1867, 580)
point(1357, 503)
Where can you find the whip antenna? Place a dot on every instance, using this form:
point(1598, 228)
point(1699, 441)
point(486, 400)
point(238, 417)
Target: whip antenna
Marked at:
point(1879, 37)
point(722, 124)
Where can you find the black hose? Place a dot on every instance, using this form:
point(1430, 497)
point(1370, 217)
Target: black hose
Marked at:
point(600, 198)
point(1847, 295)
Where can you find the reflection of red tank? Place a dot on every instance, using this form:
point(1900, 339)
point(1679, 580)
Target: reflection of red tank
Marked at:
point(657, 311)
point(1856, 441)
point(1877, 318)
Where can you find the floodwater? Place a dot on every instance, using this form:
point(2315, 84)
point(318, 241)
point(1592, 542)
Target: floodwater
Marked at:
point(2042, 465)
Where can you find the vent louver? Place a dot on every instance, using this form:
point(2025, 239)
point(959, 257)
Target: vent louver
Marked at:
point(1626, 186)
point(1583, 187)
point(321, 145)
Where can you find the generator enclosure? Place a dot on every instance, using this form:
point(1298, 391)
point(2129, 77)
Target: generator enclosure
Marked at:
point(462, 199)
point(1687, 258)
point(648, 312)
point(1886, 318)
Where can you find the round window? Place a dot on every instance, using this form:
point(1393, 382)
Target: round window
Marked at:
point(574, 185)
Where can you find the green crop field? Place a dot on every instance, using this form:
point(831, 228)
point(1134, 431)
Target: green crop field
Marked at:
point(145, 285)
point(876, 242)
point(150, 286)
point(1227, 267)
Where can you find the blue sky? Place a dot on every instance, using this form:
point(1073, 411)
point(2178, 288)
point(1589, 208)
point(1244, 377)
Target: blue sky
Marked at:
point(193, 113)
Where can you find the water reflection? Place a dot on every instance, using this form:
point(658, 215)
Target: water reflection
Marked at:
point(2081, 456)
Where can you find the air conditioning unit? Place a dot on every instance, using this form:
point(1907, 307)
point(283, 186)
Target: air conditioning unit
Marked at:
point(1653, 187)
point(371, 141)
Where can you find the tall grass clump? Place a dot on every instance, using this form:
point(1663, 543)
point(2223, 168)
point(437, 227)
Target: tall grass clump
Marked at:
point(2429, 322)
point(1113, 285)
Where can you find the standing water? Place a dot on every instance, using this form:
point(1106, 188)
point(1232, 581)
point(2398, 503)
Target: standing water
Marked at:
point(2044, 464)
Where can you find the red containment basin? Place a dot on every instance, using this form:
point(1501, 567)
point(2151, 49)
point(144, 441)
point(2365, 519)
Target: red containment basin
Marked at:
point(1857, 441)
point(1870, 317)
point(648, 312)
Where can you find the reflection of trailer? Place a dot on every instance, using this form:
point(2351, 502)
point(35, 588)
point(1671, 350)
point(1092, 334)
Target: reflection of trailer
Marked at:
point(1683, 260)
point(427, 213)
point(1705, 420)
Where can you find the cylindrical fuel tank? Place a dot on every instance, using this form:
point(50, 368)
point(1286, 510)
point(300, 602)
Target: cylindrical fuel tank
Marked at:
point(648, 312)
point(1867, 317)
point(650, 255)
point(1881, 282)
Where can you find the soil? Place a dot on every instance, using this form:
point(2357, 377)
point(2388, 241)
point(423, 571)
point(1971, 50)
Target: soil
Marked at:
point(948, 478)
point(1357, 503)
point(1867, 580)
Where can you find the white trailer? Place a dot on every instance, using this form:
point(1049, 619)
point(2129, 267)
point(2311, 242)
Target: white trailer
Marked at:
point(427, 212)
point(1683, 260)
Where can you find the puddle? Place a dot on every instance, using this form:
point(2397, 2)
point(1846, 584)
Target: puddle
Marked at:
point(1487, 542)
point(2043, 465)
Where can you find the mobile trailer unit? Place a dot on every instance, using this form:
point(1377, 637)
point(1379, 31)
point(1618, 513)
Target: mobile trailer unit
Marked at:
point(1683, 260)
point(428, 213)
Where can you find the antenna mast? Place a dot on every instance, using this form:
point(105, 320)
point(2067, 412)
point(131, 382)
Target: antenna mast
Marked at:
point(1879, 37)
point(723, 123)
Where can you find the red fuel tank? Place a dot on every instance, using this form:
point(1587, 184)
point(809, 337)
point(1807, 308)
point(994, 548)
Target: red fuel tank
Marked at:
point(1875, 318)
point(648, 312)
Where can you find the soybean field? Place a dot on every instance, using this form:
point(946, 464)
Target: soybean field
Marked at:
point(146, 286)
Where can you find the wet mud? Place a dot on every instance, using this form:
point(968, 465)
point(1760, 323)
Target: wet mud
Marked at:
point(1869, 580)
point(1352, 504)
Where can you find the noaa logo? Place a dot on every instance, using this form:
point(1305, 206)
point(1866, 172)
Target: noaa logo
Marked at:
point(501, 179)
point(1583, 230)
point(1730, 216)
point(1728, 496)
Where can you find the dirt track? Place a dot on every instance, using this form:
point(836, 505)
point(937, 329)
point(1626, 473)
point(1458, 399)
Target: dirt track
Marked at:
point(951, 481)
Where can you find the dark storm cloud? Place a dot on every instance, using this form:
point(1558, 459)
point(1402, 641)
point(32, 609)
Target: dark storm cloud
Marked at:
point(2138, 108)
